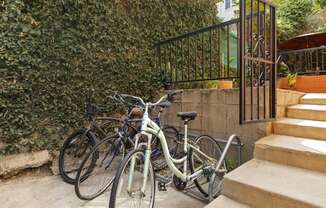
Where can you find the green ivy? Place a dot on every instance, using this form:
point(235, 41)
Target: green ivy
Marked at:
point(52, 52)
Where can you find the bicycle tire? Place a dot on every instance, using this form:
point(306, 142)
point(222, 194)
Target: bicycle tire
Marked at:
point(121, 170)
point(103, 168)
point(62, 170)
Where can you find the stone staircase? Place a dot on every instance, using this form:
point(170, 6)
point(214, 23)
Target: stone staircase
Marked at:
point(289, 166)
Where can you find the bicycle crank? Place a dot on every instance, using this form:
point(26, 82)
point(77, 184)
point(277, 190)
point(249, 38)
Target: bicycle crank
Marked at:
point(178, 183)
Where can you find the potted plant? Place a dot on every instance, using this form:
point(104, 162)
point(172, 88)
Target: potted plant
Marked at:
point(225, 84)
point(292, 79)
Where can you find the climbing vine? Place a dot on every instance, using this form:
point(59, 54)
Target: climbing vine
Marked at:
point(52, 52)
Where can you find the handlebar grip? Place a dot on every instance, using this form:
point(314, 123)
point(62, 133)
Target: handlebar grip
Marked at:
point(173, 93)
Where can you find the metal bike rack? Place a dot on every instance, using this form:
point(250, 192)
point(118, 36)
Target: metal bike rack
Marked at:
point(191, 190)
point(233, 140)
point(226, 148)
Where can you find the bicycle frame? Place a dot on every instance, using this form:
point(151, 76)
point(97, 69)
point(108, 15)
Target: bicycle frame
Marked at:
point(150, 128)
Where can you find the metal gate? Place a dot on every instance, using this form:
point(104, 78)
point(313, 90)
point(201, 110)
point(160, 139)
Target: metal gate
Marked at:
point(257, 61)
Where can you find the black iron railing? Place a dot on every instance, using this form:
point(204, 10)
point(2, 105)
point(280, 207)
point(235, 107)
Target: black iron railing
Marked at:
point(305, 61)
point(257, 61)
point(209, 53)
point(243, 49)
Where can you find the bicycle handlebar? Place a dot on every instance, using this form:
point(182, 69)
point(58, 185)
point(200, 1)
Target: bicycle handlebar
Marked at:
point(140, 100)
point(169, 97)
point(173, 93)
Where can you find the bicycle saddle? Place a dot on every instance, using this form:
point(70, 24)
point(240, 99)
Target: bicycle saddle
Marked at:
point(187, 116)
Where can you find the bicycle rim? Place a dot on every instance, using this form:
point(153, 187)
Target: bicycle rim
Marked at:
point(72, 153)
point(107, 155)
point(133, 197)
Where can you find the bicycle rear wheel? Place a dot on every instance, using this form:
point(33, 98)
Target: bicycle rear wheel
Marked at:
point(131, 172)
point(72, 152)
point(211, 148)
point(108, 155)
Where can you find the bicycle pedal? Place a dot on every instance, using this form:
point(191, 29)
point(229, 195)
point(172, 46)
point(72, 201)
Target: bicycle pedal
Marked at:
point(162, 186)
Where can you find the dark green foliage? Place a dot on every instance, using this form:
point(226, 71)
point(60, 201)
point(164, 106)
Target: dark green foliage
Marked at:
point(291, 17)
point(52, 51)
point(322, 3)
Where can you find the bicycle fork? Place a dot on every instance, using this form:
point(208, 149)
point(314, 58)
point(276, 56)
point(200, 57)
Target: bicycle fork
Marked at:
point(146, 159)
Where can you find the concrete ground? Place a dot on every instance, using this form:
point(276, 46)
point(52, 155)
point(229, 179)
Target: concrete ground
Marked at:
point(52, 192)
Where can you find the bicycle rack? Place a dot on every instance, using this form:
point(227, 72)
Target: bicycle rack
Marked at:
point(226, 148)
point(191, 190)
point(233, 140)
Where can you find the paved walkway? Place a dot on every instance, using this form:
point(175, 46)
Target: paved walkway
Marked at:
point(51, 192)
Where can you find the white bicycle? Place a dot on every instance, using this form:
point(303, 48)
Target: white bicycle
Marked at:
point(134, 184)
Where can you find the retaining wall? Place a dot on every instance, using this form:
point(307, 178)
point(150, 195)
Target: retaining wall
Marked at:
point(218, 115)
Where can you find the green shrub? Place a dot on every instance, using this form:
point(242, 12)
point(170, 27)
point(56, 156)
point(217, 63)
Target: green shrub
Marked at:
point(291, 17)
point(52, 52)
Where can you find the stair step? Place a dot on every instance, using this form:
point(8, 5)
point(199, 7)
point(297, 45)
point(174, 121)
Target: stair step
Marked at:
point(225, 202)
point(294, 151)
point(314, 98)
point(269, 185)
point(304, 111)
point(300, 128)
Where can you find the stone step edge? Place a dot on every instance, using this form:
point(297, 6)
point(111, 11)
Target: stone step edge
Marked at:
point(12, 165)
point(258, 192)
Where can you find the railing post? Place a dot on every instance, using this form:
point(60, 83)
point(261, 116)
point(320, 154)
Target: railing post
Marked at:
point(242, 103)
point(274, 66)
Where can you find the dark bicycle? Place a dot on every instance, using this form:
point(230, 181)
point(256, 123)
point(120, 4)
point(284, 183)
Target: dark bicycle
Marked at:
point(80, 142)
point(94, 178)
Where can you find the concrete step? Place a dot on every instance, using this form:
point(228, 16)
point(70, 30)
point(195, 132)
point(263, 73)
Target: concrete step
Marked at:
point(264, 184)
point(225, 202)
point(300, 128)
point(304, 111)
point(314, 98)
point(295, 151)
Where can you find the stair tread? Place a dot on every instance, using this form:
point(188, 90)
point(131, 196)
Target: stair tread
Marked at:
point(223, 202)
point(314, 96)
point(294, 143)
point(302, 122)
point(310, 107)
point(299, 184)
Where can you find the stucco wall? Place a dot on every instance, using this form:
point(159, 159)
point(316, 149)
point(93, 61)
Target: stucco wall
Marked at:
point(218, 115)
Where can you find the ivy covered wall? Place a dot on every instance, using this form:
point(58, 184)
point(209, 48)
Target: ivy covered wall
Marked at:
point(52, 52)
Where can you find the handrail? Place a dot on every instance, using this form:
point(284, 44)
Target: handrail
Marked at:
point(301, 50)
point(201, 30)
point(305, 61)
point(209, 53)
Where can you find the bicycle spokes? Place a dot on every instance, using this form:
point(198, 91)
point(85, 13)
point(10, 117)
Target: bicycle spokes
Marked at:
point(135, 188)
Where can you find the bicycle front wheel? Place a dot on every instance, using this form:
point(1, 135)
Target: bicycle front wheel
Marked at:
point(128, 189)
point(108, 154)
point(72, 153)
point(212, 150)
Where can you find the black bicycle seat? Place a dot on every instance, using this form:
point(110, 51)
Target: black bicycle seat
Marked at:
point(187, 116)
